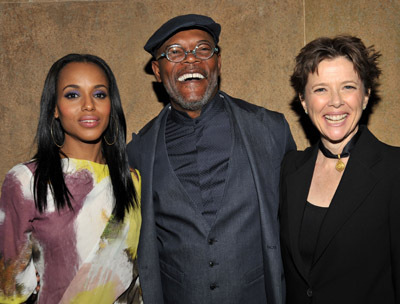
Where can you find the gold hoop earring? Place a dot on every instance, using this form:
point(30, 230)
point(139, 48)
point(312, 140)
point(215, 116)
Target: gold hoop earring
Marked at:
point(116, 135)
point(52, 135)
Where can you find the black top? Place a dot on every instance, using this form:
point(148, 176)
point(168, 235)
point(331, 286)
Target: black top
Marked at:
point(199, 151)
point(312, 220)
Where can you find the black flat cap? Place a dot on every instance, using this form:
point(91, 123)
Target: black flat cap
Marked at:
point(178, 24)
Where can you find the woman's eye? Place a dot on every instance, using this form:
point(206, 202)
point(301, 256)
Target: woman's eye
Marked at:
point(71, 95)
point(319, 90)
point(100, 95)
point(349, 87)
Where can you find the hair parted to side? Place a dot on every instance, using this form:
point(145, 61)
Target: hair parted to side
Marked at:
point(48, 170)
point(365, 60)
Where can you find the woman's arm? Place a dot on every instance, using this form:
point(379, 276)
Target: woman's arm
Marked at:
point(17, 272)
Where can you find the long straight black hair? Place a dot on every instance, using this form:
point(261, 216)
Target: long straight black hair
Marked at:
point(49, 174)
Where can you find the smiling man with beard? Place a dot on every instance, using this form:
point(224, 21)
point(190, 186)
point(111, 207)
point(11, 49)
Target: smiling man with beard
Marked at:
point(210, 166)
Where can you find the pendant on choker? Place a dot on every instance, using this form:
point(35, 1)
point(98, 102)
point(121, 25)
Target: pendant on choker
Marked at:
point(340, 165)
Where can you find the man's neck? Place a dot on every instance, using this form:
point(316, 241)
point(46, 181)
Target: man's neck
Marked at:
point(192, 113)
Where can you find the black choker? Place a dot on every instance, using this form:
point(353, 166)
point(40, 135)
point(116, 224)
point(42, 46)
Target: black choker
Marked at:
point(345, 153)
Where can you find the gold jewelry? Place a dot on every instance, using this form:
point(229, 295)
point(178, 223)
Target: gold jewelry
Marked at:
point(340, 165)
point(116, 135)
point(52, 135)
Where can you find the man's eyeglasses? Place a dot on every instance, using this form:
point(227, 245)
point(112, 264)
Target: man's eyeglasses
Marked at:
point(176, 53)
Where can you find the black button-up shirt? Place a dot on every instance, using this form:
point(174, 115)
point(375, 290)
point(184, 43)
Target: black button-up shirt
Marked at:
point(199, 151)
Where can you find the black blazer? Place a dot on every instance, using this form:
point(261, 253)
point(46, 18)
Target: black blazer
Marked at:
point(357, 257)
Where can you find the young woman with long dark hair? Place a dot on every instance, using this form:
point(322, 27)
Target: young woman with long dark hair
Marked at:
point(71, 215)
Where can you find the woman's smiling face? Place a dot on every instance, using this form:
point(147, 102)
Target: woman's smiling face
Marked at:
point(334, 99)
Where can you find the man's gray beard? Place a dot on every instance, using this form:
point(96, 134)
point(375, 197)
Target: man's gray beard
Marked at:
point(193, 105)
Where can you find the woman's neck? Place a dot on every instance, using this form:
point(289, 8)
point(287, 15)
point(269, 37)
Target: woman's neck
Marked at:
point(86, 151)
point(337, 147)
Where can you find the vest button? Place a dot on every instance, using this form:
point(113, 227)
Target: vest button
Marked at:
point(309, 292)
point(211, 241)
point(213, 286)
point(211, 264)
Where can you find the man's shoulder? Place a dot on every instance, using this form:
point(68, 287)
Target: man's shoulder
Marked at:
point(153, 123)
point(263, 122)
point(248, 108)
point(142, 138)
point(148, 126)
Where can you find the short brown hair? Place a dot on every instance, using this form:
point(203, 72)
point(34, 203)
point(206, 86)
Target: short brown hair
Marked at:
point(365, 60)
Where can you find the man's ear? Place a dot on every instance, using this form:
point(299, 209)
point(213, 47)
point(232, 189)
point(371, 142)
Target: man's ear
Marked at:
point(156, 70)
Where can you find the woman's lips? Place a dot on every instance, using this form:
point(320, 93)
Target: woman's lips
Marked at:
point(89, 121)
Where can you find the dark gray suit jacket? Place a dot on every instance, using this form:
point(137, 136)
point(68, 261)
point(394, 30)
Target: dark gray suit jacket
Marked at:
point(267, 138)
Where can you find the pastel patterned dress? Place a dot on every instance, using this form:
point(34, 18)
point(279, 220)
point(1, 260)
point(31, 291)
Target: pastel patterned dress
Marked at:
point(82, 255)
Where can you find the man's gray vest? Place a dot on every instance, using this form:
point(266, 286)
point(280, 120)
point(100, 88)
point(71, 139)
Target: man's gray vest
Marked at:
point(202, 264)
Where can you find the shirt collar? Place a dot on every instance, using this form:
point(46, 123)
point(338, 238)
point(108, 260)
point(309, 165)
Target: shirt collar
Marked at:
point(214, 106)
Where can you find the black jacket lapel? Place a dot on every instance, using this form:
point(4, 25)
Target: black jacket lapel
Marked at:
point(357, 182)
point(298, 185)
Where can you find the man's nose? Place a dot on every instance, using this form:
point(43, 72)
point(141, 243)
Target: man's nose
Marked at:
point(190, 57)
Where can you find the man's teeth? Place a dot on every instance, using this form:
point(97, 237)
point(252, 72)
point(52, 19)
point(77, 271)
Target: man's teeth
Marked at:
point(190, 76)
point(336, 117)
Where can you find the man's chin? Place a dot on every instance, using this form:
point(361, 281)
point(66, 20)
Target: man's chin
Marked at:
point(194, 105)
point(192, 101)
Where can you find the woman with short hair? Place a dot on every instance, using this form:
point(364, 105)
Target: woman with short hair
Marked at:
point(340, 206)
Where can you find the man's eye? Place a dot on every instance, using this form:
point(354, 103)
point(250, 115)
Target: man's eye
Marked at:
point(175, 51)
point(204, 47)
